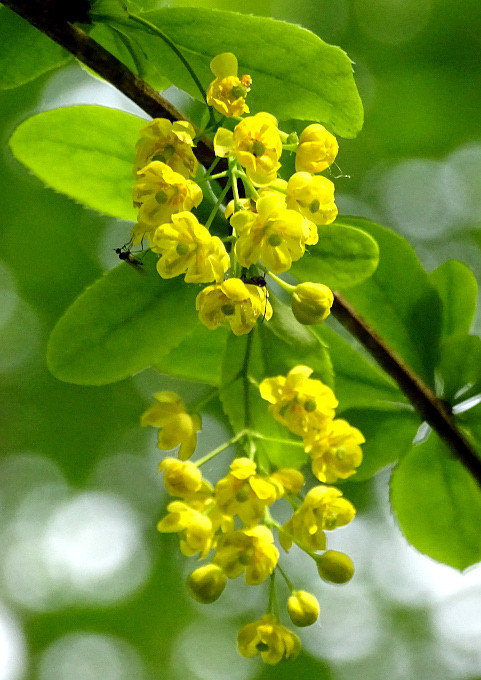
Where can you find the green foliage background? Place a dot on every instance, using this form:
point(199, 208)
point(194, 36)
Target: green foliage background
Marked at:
point(414, 167)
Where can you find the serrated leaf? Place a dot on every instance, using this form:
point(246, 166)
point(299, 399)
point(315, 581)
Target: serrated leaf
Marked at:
point(438, 505)
point(198, 357)
point(459, 367)
point(86, 152)
point(25, 52)
point(358, 382)
point(389, 435)
point(343, 257)
point(399, 302)
point(458, 290)
point(295, 73)
point(121, 324)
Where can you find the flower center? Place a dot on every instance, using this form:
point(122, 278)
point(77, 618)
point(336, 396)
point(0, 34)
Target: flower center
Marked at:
point(258, 148)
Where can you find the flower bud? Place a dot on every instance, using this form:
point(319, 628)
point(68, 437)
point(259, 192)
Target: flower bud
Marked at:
point(311, 302)
point(335, 567)
point(206, 583)
point(303, 608)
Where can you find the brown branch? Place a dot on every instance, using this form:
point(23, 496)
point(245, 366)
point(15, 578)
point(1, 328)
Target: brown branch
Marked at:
point(432, 409)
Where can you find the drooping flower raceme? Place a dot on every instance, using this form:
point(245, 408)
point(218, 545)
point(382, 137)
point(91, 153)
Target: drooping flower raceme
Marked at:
point(248, 551)
point(187, 247)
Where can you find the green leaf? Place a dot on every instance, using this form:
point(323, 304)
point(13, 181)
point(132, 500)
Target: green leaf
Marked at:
point(242, 371)
point(459, 367)
point(86, 152)
point(121, 324)
point(358, 381)
point(343, 257)
point(198, 356)
point(25, 52)
point(399, 302)
point(458, 290)
point(438, 505)
point(389, 436)
point(295, 73)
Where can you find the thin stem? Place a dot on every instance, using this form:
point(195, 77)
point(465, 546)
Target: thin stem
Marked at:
point(220, 448)
point(288, 581)
point(283, 284)
point(217, 205)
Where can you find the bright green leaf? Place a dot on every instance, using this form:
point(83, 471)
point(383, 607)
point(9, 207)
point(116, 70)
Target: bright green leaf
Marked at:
point(399, 302)
point(458, 290)
point(343, 257)
point(295, 74)
point(389, 435)
point(358, 382)
point(25, 52)
point(438, 504)
point(121, 324)
point(459, 368)
point(198, 356)
point(86, 152)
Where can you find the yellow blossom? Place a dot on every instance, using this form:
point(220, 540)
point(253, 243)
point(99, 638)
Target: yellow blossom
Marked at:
point(248, 551)
point(298, 401)
point(188, 247)
point(181, 478)
point(317, 149)
point(323, 509)
point(244, 493)
point(303, 608)
point(274, 235)
point(335, 451)
point(311, 302)
point(195, 528)
point(312, 196)
point(235, 303)
point(206, 584)
point(168, 142)
point(268, 638)
point(227, 92)
point(159, 193)
point(176, 426)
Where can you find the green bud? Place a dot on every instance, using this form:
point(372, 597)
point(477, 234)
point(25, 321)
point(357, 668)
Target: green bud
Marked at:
point(206, 584)
point(335, 567)
point(303, 608)
point(311, 303)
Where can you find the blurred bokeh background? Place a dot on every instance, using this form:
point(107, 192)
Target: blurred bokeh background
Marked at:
point(88, 589)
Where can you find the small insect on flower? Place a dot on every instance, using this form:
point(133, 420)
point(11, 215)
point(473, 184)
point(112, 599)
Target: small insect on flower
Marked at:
point(125, 255)
point(260, 282)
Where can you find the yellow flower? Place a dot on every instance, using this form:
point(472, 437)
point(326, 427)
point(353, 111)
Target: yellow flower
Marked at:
point(289, 479)
point(275, 235)
point(268, 638)
point(227, 92)
point(311, 302)
point(181, 478)
point(195, 529)
point(206, 584)
point(312, 196)
point(323, 509)
point(298, 401)
point(176, 426)
point(188, 247)
point(248, 551)
point(317, 149)
point(303, 608)
point(244, 493)
point(235, 303)
point(336, 451)
point(168, 142)
point(160, 192)
point(257, 145)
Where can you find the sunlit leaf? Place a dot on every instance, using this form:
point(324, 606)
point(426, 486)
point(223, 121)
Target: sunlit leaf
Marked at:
point(438, 504)
point(457, 287)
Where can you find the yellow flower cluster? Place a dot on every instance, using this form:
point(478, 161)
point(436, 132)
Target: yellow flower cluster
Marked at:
point(230, 522)
point(270, 224)
point(307, 407)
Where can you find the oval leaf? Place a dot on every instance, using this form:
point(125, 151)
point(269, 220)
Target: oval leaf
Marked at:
point(120, 325)
point(343, 257)
point(295, 73)
point(458, 290)
point(86, 152)
point(438, 505)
